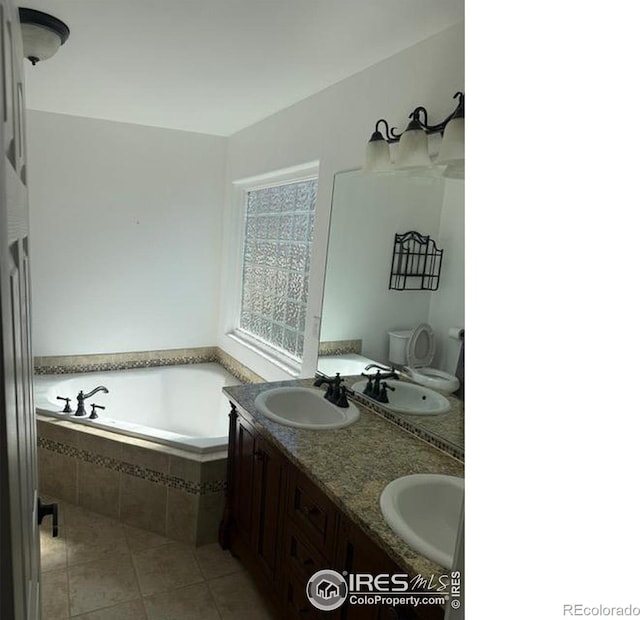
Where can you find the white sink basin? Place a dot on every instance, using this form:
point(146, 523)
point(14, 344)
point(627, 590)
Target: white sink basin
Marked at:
point(410, 398)
point(302, 407)
point(424, 510)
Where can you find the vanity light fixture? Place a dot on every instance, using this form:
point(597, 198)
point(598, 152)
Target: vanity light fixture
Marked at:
point(42, 34)
point(413, 143)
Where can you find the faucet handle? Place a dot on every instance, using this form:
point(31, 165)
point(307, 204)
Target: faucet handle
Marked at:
point(67, 408)
point(383, 397)
point(93, 414)
point(341, 400)
point(369, 387)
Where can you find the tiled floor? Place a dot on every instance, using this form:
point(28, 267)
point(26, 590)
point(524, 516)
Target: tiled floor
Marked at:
point(100, 569)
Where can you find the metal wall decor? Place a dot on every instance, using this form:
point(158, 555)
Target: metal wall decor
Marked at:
point(416, 263)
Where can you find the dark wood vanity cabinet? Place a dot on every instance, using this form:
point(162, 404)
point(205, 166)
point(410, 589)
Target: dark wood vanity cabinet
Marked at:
point(255, 481)
point(284, 529)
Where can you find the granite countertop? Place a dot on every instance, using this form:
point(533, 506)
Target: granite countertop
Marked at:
point(352, 466)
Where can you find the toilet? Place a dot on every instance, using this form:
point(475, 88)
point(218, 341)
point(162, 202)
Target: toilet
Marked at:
point(414, 350)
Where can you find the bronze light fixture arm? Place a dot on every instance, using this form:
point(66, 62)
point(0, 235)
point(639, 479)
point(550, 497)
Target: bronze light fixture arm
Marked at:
point(439, 128)
point(390, 135)
point(419, 120)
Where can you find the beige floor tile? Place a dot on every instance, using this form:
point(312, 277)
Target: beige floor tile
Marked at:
point(132, 610)
point(92, 537)
point(102, 583)
point(53, 551)
point(55, 595)
point(190, 603)
point(166, 567)
point(139, 540)
point(214, 562)
point(237, 598)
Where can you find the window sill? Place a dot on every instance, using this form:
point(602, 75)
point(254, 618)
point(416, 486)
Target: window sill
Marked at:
point(266, 352)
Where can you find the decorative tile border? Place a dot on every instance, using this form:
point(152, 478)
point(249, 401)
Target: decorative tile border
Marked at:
point(238, 370)
point(79, 454)
point(72, 364)
point(451, 449)
point(340, 347)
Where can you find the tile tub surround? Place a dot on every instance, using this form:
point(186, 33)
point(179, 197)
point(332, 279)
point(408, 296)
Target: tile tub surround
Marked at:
point(72, 364)
point(160, 489)
point(352, 465)
point(339, 347)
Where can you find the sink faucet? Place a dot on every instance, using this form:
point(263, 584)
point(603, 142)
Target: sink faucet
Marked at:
point(82, 397)
point(336, 393)
point(385, 368)
point(373, 388)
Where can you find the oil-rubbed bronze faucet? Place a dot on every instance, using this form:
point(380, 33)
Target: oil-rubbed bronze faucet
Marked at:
point(336, 393)
point(82, 397)
point(376, 384)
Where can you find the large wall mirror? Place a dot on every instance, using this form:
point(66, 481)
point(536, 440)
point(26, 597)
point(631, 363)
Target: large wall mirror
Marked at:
point(359, 309)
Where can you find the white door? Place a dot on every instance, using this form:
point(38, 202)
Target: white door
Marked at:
point(19, 542)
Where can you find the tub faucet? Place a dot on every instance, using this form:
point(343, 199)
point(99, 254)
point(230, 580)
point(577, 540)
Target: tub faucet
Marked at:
point(82, 397)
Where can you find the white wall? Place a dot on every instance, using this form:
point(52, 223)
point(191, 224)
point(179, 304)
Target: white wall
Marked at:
point(333, 127)
point(447, 304)
point(125, 235)
point(366, 213)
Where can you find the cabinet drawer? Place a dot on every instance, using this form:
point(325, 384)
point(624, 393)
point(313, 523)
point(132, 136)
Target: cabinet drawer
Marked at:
point(299, 555)
point(312, 512)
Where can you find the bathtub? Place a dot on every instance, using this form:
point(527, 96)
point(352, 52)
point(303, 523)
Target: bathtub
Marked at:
point(178, 406)
point(346, 364)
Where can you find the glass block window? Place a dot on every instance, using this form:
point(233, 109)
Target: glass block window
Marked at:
point(275, 274)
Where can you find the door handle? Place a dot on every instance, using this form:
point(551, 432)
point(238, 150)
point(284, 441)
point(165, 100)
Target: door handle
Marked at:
point(48, 509)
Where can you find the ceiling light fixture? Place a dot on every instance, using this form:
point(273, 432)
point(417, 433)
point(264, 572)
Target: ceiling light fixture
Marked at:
point(413, 143)
point(42, 34)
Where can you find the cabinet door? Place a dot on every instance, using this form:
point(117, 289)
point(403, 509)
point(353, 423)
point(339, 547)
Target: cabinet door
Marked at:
point(244, 478)
point(268, 474)
point(356, 554)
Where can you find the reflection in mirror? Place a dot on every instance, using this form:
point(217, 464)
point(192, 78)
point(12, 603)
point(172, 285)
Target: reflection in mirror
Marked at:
point(359, 309)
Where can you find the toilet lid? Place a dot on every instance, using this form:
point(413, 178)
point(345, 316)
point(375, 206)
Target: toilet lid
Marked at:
point(421, 346)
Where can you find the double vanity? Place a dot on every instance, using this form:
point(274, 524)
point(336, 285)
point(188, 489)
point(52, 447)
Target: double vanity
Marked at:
point(314, 486)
